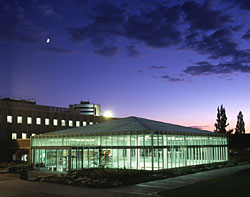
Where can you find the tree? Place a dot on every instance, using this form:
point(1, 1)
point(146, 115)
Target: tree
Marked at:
point(240, 126)
point(221, 121)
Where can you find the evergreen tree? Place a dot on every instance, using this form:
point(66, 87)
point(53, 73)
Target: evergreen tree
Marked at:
point(221, 121)
point(240, 126)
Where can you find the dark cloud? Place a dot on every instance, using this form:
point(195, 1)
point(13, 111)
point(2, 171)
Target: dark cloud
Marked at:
point(15, 26)
point(172, 79)
point(202, 17)
point(190, 25)
point(237, 28)
point(55, 50)
point(209, 34)
point(165, 77)
point(157, 28)
point(107, 51)
point(205, 68)
point(246, 35)
point(217, 44)
point(108, 21)
point(200, 127)
point(157, 67)
point(82, 2)
point(141, 72)
point(243, 4)
point(48, 11)
point(132, 52)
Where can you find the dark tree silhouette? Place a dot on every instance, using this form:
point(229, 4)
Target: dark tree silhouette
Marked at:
point(240, 126)
point(221, 121)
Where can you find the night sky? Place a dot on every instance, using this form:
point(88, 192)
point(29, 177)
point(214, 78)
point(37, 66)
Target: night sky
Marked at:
point(172, 61)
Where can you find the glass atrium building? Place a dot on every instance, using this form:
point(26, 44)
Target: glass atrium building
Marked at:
point(131, 143)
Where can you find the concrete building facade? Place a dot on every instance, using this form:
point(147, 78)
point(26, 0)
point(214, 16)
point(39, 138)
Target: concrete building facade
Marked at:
point(21, 119)
point(87, 108)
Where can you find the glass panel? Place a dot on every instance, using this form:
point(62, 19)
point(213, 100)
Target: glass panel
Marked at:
point(133, 155)
point(148, 158)
point(133, 140)
point(148, 140)
point(126, 140)
point(141, 159)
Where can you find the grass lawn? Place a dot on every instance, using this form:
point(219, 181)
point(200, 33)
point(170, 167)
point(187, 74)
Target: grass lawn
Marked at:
point(237, 185)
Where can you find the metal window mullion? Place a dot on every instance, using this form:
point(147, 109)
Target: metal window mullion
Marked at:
point(152, 150)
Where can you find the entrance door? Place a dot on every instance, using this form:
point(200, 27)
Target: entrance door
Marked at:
point(62, 160)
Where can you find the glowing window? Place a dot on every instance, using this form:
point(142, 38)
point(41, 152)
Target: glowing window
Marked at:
point(90, 123)
point(14, 136)
point(29, 120)
point(24, 157)
point(70, 123)
point(38, 121)
point(33, 134)
point(63, 123)
point(19, 119)
point(55, 122)
point(9, 119)
point(77, 123)
point(24, 135)
point(84, 123)
point(46, 121)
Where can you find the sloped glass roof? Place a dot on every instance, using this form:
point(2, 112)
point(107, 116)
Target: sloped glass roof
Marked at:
point(133, 124)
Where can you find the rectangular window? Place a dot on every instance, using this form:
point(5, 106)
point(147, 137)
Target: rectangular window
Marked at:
point(84, 123)
point(38, 121)
point(14, 136)
point(77, 123)
point(19, 119)
point(29, 120)
point(46, 121)
point(63, 123)
point(55, 122)
point(9, 119)
point(90, 123)
point(24, 135)
point(70, 123)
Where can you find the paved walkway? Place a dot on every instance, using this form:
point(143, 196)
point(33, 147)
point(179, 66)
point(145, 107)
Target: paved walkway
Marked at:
point(11, 185)
point(153, 187)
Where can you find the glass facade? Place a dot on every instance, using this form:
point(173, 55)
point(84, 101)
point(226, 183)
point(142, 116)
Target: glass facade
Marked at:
point(130, 150)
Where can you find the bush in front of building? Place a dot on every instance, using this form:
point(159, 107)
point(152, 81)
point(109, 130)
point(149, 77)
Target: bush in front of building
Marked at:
point(17, 167)
point(107, 178)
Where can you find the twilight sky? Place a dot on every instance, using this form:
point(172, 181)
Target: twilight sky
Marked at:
point(173, 61)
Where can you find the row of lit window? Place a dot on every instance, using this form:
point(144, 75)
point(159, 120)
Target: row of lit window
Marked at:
point(47, 121)
point(24, 136)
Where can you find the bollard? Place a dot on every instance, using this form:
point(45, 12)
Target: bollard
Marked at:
point(24, 174)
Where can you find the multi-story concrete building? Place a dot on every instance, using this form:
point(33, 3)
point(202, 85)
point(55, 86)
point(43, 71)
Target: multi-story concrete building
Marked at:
point(20, 119)
point(87, 108)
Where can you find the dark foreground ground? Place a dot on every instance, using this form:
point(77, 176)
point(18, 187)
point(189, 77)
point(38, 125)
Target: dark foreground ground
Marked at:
point(208, 183)
point(229, 186)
